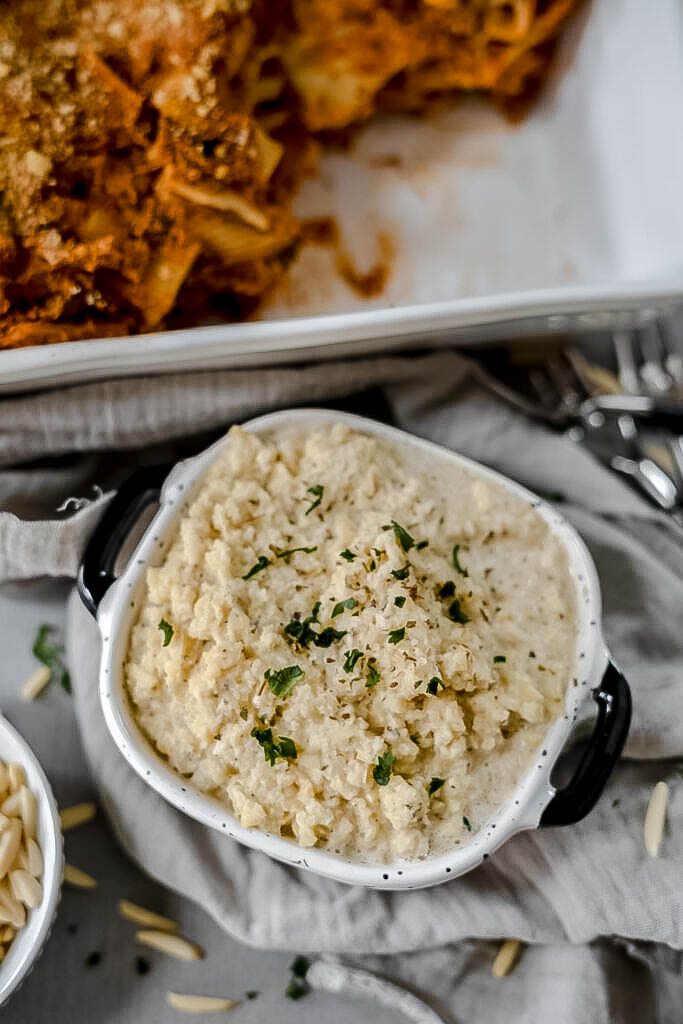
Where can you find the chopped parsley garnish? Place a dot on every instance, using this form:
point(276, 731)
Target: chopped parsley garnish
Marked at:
point(422, 545)
point(456, 614)
point(414, 739)
point(342, 606)
point(399, 601)
point(297, 989)
point(299, 966)
point(403, 538)
point(317, 490)
point(447, 590)
point(272, 748)
point(303, 634)
point(373, 676)
point(434, 785)
point(326, 637)
point(434, 684)
point(50, 654)
point(252, 994)
point(351, 658)
point(396, 635)
point(401, 574)
point(347, 555)
point(466, 823)
point(281, 681)
point(499, 659)
point(456, 562)
point(244, 712)
point(141, 965)
point(261, 563)
point(292, 551)
point(167, 630)
point(298, 986)
point(381, 773)
point(371, 565)
point(93, 959)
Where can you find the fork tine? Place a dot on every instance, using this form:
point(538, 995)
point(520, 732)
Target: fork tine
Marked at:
point(628, 373)
point(653, 376)
point(672, 343)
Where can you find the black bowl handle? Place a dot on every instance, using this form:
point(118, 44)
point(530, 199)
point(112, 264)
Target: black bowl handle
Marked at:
point(96, 572)
point(573, 803)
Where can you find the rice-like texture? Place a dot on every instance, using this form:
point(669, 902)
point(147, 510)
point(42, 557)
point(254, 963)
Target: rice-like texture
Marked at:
point(406, 663)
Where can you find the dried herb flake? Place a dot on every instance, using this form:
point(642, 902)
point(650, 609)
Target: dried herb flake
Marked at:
point(456, 562)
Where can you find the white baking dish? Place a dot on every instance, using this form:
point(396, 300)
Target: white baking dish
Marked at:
point(534, 800)
point(571, 220)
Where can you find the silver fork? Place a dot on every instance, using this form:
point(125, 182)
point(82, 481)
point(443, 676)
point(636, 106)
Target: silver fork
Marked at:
point(650, 362)
point(614, 440)
point(576, 396)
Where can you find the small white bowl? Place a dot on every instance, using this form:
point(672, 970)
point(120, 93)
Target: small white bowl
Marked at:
point(534, 801)
point(29, 940)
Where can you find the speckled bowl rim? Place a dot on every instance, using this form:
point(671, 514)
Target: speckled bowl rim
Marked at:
point(521, 811)
point(30, 940)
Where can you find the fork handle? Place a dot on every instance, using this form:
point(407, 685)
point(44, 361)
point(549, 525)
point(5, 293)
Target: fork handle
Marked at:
point(652, 480)
point(659, 412)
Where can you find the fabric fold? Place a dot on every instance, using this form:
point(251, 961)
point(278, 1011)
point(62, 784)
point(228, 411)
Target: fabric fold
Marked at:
point(587, 899)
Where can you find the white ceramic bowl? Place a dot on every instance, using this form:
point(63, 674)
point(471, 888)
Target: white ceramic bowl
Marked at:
point(30, 939)
point(534, 800)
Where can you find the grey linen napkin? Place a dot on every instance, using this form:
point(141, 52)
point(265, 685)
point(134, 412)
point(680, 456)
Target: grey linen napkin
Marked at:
point(604, 922)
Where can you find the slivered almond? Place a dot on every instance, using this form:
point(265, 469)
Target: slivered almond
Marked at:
point(11, 910)
point(146, 917)
point(34, 858)
point(21, 859)
point(17, 777)
point(81, 880)
point(505, 958)
point(37, 681)
point(7, 933)
point(71, 817)
point(199, 1004)
point(28, 809)
point(173, 945)
point(11, 805)
point(4, 777)
point(10, 839)
point(655, 818)
point(4, 821)
point(25, 888)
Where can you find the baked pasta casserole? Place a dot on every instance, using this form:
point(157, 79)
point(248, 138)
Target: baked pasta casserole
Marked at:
point(149, 151)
